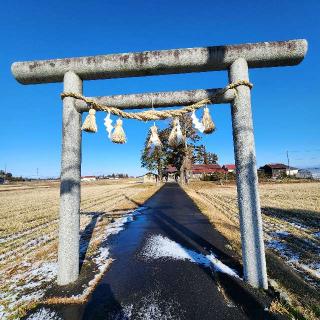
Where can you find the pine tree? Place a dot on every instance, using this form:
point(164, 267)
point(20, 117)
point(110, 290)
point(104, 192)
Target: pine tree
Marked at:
point(156, 160)
point(201, 156)
point(212, 158)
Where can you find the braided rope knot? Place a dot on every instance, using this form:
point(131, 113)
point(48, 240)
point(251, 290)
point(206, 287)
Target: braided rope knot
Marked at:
point(156, 114)
point(240, 83)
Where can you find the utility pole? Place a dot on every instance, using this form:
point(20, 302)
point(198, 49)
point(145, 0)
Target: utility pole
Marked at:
point(288, 162)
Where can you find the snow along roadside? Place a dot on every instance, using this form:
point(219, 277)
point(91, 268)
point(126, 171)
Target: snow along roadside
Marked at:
point(160, 247)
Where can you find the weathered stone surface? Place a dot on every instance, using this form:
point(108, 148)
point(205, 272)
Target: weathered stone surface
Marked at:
point(253, 255)
point(147, 63)
point(69, 220)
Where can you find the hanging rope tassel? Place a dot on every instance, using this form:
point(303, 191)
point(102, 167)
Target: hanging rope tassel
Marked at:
point(209, 126)
point(108, 124)
point(89, 124)
point(197, 124)
point(180, 137)
point(173, 134)
point(118, 135)
point(175, 137)
point(154, 139)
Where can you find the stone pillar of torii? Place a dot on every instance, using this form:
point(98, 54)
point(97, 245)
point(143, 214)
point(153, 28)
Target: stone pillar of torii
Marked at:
point(237, 59)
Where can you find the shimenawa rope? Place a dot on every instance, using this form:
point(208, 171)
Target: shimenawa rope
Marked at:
point(156, 114)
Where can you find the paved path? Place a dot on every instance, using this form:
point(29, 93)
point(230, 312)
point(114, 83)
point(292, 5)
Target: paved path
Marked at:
point(140, 288)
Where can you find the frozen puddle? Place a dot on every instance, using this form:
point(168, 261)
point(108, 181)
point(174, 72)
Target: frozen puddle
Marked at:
point(160, 247)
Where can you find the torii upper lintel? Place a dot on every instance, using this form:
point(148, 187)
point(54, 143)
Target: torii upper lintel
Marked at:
point(148, 63)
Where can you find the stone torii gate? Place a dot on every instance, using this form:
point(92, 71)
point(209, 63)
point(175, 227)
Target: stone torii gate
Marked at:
point(234, 58)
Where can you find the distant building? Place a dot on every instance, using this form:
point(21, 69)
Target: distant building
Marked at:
point(291, 171)
point(315, 172)
point(170, 173)
point(88, 178)
point(171, 169)
point(275, 170)
point(229, 167)
point(150, 177)
point(198, 171)
point(304, 174)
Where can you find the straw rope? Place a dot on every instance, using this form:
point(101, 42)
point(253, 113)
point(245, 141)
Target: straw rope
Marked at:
point(156, 114)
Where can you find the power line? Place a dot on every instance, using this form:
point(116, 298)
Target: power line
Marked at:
point(301, 151)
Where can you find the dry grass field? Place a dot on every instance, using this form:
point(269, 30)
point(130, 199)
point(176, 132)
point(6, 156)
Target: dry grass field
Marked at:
point(29, 226)
point(28, 234)
point(291, 219)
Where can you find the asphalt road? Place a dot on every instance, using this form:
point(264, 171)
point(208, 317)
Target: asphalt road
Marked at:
point(165, 288)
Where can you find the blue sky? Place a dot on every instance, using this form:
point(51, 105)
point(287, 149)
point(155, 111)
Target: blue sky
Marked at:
point(285, 100)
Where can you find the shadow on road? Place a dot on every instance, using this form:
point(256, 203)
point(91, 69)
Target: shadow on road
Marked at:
point(86, 235)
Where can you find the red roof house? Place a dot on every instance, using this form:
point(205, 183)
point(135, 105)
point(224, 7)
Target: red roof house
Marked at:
point(206, 168)
point(198, 171)
point(171, 169)
point(229, 167)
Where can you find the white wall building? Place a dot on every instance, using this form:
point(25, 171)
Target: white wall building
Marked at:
point(88, 178)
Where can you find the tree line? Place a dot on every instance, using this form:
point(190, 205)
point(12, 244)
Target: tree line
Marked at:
point(9, 176)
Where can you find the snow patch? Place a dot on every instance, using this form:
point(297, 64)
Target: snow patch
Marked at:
point(298, 226)
point(294, 260)
point(313, 269)
point(276, 245)
point(44, 314)
point(27, 286)
point(19, 251)
point(281, 233)
point(150, 307)
point(160, 247)
point(317, 234)
point(26, 232)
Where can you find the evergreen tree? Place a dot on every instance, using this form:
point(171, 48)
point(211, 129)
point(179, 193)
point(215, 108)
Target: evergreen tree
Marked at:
point(212, 158)
point(156, 160)
point(201, 156)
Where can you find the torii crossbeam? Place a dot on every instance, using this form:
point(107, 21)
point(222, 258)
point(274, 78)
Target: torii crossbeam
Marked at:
point(237, 59)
